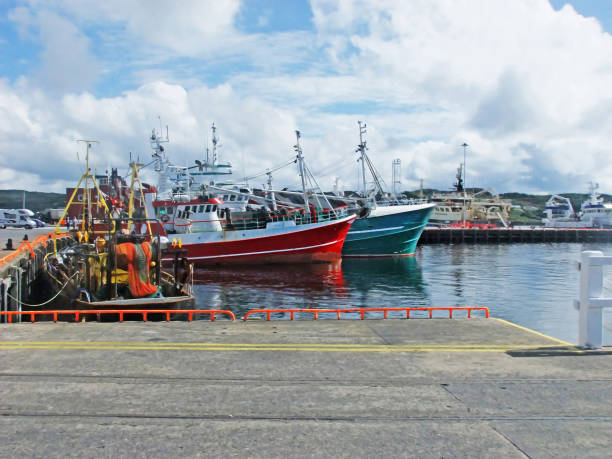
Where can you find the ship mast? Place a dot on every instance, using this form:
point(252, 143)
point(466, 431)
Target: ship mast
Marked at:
point(465, 145)
point(214, 142)
point(271, 191)
point(365, 160)
point(300, 159)
point(361, 148)
point(87, 195)
point(156, 144)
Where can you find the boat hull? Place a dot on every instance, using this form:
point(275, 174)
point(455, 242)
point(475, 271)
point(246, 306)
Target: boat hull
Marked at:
point(394, 231)
point(310, 243)
point(136, 303)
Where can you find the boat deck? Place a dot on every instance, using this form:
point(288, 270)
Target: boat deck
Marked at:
point(349, 388)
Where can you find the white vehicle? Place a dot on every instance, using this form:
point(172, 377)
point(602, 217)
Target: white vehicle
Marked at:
point(18, 218)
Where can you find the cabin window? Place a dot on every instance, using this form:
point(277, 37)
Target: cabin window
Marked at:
point(201, 209)
point(240, 198)
point(232, 197)
point(169, 210)
point(207, 208)
point(214, 208)
point(187, 208)
point(225, 196)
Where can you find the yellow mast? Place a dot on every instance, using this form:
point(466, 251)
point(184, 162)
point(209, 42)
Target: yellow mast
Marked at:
point(86, 197)
point(136, 178)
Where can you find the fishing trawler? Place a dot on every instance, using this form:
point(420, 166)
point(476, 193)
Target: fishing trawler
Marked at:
point(242, 228)
point(112, 265)
point(385, 227)
point(460, 207)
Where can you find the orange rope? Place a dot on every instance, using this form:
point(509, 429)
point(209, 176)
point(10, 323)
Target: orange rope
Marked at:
point(29, 246)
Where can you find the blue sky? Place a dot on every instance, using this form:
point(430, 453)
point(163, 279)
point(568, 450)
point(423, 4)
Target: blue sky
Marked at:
point(524, 83)
point(600, 9)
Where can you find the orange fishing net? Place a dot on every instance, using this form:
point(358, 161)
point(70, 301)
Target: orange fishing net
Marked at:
point(137, 257)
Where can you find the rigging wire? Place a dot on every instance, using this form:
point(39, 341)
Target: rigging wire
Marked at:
point(50, 299)
point(272, 169)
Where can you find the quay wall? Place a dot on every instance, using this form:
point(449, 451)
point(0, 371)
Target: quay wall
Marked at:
point(20, 268)
point(513, 235)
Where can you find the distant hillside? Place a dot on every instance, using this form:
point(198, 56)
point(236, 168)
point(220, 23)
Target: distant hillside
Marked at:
point(34, 200)
point(38, 201)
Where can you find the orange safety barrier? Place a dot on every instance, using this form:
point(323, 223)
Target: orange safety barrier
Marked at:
point(29, 246)
point(363, 311)
point(100, 312)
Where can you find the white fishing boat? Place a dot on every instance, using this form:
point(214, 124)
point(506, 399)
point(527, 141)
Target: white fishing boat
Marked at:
point(559, 213)
point(594, 212)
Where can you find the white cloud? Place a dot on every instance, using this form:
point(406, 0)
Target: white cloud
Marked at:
point(188, 27)
point(526, 86)
point(65, 59)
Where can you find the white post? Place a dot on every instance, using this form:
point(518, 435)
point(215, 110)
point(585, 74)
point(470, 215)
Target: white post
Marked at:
point(590, 330)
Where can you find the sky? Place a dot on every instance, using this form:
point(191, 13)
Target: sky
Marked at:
point(525, 83)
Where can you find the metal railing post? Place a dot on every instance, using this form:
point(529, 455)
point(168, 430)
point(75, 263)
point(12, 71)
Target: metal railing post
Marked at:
point(590, 328)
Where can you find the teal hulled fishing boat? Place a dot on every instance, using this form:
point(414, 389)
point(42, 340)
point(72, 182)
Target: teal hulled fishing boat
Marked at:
point(387, 227)
point(388, 230)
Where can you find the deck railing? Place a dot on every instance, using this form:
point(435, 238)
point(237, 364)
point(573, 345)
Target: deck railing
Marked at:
point(300, 218)
point(342, 313)
point(142, 314)
point(592, 303)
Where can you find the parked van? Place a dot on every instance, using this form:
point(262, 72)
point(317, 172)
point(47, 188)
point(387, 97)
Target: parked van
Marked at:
point(15, 218)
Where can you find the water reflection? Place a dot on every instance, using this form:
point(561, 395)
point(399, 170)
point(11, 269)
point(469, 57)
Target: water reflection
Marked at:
point(384, 282)
point(529, 284)
point(347, 283)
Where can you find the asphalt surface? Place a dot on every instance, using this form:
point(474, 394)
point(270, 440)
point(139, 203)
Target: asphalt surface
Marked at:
point(17, 235)
point(351, 388)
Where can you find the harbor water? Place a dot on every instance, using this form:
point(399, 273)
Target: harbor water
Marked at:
point(532, 285)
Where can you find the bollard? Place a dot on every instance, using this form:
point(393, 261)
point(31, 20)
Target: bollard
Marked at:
point(9, 244)
point(592, 302)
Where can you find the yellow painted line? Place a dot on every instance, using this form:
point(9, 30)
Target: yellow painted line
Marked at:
point(565, 343)
point(292, 345)
point(267, 347)
point(257, 349)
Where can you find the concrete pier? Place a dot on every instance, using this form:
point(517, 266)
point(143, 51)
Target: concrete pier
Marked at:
point(19, 274)
point(350, 388)
point(433, 235)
